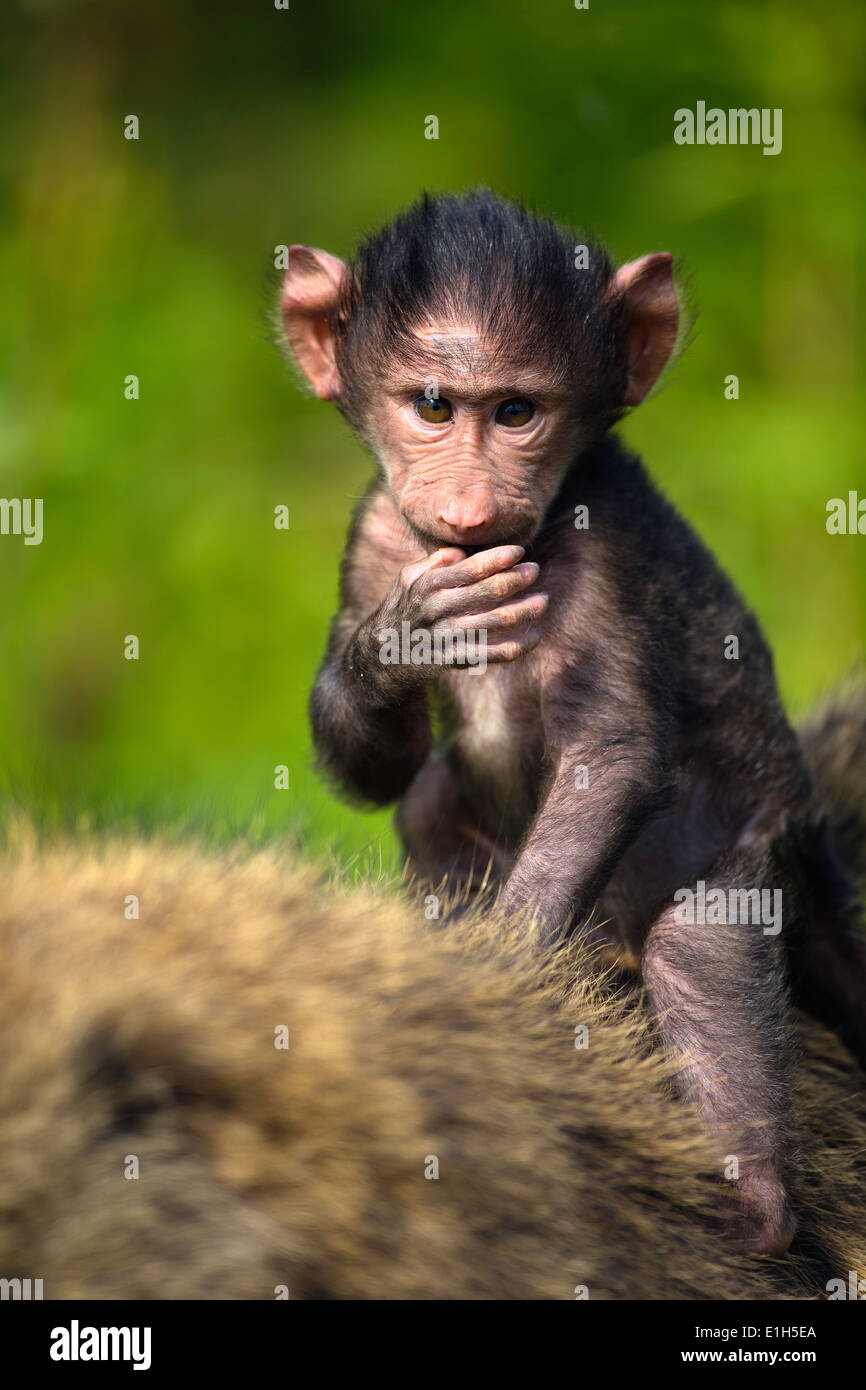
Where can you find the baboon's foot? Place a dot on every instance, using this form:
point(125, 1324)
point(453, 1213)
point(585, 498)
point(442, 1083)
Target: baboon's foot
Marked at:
point(769, 1223)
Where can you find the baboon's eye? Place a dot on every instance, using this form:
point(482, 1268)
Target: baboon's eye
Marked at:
point(515, 413)
point(435, 412)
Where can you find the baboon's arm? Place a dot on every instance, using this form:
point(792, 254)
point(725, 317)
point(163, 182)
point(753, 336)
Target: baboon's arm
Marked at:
point(371, 729)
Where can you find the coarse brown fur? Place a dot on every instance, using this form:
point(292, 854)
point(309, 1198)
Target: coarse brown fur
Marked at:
point(558, 1167)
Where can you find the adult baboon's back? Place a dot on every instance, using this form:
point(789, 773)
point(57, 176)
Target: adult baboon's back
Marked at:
point(410, 1045)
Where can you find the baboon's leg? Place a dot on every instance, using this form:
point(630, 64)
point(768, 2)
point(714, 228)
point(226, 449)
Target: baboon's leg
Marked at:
point(443, 836)
point(719, 996)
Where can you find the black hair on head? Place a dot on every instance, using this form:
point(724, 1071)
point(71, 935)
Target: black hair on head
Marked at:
point(477, 258)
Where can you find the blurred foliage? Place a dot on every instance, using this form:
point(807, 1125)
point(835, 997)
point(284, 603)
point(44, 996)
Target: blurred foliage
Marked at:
point(262, 126)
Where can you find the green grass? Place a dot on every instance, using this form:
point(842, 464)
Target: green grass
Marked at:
point(151, 257)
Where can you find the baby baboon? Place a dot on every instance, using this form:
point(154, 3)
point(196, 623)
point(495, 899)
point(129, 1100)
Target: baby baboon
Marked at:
point(625, 749)
point(260, 1084)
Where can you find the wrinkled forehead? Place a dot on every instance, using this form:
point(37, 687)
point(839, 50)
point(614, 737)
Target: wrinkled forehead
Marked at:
point(464, 356)
point(460, 347)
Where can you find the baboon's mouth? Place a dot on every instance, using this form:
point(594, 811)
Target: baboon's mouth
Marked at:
point(483, 545)
point(435, 542)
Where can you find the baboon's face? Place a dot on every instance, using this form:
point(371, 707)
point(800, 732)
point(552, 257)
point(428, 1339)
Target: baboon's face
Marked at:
point(473, 445)
point(475, 414)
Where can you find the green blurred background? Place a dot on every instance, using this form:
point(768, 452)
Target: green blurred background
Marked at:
point(260, 127)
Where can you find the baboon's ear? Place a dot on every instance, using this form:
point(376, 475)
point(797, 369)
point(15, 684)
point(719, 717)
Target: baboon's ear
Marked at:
point(652, 317)
point(311, 294)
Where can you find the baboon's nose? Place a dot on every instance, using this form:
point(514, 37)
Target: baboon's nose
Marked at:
point(468, 511)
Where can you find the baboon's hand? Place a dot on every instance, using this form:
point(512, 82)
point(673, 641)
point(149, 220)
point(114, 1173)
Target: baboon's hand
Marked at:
point(448, 592)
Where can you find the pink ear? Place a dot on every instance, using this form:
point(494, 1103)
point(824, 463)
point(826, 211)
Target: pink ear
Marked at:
point(311, 293)
point(652, 317)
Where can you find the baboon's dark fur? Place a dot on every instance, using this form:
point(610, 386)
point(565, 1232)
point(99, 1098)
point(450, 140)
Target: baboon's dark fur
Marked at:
point(558, 1167)
point(692, 772)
